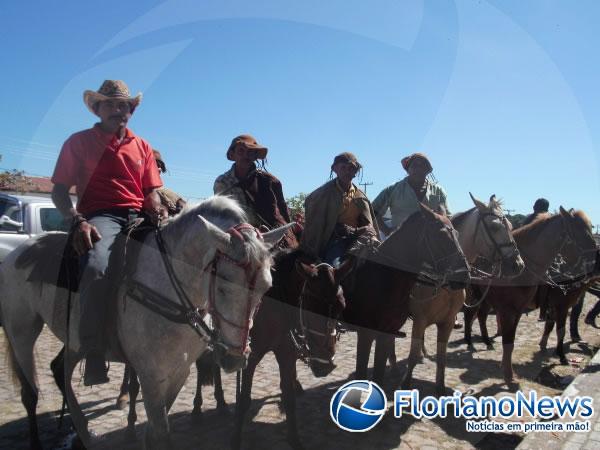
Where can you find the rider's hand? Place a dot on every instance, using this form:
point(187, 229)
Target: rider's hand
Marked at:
point(154, 208)
point(84, 236)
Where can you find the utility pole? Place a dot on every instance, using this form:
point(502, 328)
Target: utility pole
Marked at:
point(364, 185)
point(509, 211)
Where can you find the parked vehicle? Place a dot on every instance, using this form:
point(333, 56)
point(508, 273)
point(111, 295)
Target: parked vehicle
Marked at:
point(24, 216)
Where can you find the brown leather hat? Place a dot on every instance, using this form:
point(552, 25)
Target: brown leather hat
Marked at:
point(406, 161)
point(346, 157)
point(249, 143)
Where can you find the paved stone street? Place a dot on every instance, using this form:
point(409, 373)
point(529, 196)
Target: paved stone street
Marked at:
point(475, 373)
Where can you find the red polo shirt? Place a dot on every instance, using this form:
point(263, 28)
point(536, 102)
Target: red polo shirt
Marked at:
point(107, 174)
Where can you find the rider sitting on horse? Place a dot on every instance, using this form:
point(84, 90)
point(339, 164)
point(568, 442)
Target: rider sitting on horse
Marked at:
point(337, 214)
point(403, 197)
point(258, 192)
point(116, 177)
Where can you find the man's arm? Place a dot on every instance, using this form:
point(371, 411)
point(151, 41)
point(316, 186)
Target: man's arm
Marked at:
point(84, 234)
point(62, 201)
point(153, 206)
point(380, 206)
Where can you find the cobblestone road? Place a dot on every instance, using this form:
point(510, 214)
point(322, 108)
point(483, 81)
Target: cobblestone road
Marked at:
point(477, 373)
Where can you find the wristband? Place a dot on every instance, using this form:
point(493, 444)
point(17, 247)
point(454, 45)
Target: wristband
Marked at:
point(77, 219)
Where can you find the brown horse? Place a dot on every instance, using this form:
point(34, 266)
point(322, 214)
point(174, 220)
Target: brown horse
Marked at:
point(378, 305)
point(558, 303)
point(568, 233)
point(483, 232)
point(298, 318)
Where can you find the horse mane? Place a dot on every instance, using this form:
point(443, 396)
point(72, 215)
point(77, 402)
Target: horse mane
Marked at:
point(223, 212)
point(389, 249)
point(533, 229)
point(582, 217)
point(458, 218)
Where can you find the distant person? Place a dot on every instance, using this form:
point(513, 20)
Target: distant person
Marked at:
point(258, 192)
point(402, 198)
point(337, 214)
point(170, 199)
point(540, 207)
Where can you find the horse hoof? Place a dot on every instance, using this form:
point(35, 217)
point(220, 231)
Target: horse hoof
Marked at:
point(122, 402)
point(575, 338)
point(563, 361)
point(490, 346)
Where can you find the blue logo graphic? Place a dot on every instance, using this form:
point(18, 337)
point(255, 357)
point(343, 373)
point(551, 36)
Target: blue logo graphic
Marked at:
point(358, 406)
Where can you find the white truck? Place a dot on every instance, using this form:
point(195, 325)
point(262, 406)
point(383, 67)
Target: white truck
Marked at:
point(23, 216)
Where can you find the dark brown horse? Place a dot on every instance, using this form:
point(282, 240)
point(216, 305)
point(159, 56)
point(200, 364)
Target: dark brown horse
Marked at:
point(558, 302)
point(568, 233)
point(378, 303)
point(298, 317)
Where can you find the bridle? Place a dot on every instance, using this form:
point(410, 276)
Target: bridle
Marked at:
point(439, 277)
point(300, 336)
point(185, 312)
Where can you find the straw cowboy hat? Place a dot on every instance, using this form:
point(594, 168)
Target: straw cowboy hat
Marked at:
point(110, 89)
point(249, 143)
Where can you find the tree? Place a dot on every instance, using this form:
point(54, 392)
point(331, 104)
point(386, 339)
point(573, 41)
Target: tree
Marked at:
point(296, 204)
point(516, 220)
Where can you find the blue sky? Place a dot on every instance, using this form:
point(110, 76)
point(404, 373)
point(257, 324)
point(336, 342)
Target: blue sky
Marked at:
point(503, 95)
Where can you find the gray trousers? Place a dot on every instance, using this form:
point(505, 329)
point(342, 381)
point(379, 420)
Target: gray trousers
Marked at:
point(94, 287)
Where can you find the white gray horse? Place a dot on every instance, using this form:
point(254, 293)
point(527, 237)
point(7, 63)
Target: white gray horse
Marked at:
point(483, 232)
point(192, 263)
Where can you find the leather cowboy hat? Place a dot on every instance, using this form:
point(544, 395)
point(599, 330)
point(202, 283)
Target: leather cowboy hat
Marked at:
point(249, 143)
point(110, 89)
point(346, 157)
point(406, 161)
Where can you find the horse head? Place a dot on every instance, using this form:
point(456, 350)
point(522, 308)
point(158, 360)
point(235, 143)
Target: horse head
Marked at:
point(578, 249)
point(439, 249)
point(493, 239)
point(321, 303)
point(236, 274)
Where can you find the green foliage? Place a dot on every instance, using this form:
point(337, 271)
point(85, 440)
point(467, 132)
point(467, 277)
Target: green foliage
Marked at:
point(516, 219)
point(296, 204)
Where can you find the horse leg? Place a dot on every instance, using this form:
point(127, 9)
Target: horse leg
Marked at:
point(197, 410)
point(443, 334)
point(548, 327)
point(79, 421)
point(561, 321)
point(482, 316)
point(393, 361)
point(363, 350)
point(383, 347)
point(23, 365)
point(469, 317)
point(574, 319)
point(123, 397)
point(243, 402)
point(134, 389)
point(156, 435)
point(286, 359)
point(219, 395)
point(508, 321)
point(416, 343)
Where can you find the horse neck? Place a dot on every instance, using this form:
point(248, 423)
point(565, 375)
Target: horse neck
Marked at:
point(539, 249)
point(287, 282)
point(467, 234)
point(401, 250)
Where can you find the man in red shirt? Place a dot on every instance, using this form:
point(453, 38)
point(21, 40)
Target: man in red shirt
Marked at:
point(116, 177)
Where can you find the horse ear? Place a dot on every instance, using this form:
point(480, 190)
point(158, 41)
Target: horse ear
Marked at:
point(478, 203)
point(564, 212)
point(213, 233)
point(272, 237)
point(493, 200)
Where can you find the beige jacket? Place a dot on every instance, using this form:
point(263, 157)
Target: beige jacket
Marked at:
point(322, 208)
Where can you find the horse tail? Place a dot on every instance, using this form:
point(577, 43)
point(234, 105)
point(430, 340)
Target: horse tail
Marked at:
point(204, 366)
